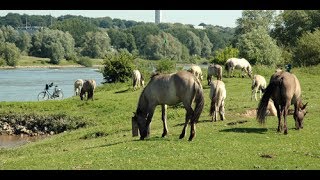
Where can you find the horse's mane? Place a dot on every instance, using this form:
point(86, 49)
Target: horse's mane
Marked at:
point(141, 104)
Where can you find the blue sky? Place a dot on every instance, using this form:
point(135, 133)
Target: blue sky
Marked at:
point(225, 18)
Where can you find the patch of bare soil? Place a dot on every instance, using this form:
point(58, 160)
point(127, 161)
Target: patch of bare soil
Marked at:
point(250, 113)
point(253, 112)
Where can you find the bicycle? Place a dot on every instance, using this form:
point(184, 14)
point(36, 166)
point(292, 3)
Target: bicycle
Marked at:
point(45, 94)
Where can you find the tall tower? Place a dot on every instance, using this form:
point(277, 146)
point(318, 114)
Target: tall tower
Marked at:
point(157, 16)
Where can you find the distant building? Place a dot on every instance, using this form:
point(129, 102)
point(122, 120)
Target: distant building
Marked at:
point(157, 16)
point(199, 27)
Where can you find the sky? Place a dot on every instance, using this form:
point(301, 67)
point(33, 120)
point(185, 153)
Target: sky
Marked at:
point(224, 18)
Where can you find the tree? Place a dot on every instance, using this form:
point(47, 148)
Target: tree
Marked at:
point(163, 46)
point(76, 27)
point(96, 44)
point(259, 48)
point(24, 42)
point(307, 51)
point(140, 32)
point(53, 44)
point(253, 19)
point(222, 55)
point(10, 53)
point(122, 40)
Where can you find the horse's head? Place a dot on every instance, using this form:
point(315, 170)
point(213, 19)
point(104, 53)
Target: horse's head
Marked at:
point(141, 121)
point(299, 115)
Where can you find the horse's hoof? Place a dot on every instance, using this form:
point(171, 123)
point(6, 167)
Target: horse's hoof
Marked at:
point(181, 136)
point(141, 138)
point(164, 134)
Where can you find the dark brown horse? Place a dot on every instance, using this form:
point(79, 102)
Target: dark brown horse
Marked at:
point(284, 89)
point(88, 87)
point(169, 89)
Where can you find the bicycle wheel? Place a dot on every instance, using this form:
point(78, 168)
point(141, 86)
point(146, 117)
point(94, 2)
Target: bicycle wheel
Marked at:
point(59, 95)
point(43, 96)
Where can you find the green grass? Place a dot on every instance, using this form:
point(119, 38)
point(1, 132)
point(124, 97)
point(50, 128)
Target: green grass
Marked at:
point(106, 143)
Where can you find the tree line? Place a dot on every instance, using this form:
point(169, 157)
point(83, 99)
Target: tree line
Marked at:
point(266, 37)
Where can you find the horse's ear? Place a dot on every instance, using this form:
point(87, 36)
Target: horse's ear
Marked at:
point(304, 106)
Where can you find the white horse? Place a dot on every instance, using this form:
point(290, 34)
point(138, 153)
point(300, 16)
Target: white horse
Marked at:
point(196, 70)
point(218, 94)
point(214, 70)
point(137, 79)
point(77, 86)
point(235, 63)
point(258, 84)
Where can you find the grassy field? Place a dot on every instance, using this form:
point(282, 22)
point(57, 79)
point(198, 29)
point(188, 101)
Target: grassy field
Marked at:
point(107, 143)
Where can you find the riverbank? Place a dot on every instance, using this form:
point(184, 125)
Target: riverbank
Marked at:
point(49, 66)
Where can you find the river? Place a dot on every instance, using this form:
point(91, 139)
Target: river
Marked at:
point(24, 84)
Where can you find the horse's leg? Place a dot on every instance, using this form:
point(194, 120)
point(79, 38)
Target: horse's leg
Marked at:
point(164, 120)
point(208, 79)
point(189, 114)
point(279, 117)
point(221, 110)
point(149, 119)
point(216, 110)
point(285, 114)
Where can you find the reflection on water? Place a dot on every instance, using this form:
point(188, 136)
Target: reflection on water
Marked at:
point(11, 141)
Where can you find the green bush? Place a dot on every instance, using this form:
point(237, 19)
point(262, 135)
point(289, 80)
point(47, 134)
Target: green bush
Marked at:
point(85, 61)
point(10, 53)
point(118, 67)
point(166, 66)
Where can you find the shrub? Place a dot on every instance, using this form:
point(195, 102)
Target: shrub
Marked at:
point(118, 67)
point(85, 61)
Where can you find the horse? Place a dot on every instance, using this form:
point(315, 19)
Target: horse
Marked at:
point(214, 69)
point(88, 87)
point(284, 89)
point(169, 89)
point(258, 84)
point(77, 86)
point(218, 94)
point(196, 70)
point(137, 79)
point(235, 63)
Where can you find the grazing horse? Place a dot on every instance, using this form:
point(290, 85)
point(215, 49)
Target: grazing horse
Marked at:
point(284, 89)
point(235, 63)
point(218, 94)
point(88, 87)
point(77, 86)
point(216, 70)
point(196, 70)
point(137, 79)
point(169, 89)
point(258, 84)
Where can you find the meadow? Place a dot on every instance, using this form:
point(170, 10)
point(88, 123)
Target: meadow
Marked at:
point(238, 143)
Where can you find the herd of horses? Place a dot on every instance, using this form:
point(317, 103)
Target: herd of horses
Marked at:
point(185, 87)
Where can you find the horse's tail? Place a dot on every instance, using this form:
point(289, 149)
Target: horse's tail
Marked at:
point(262, 108)
point(226, 66)
point(199, 100)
